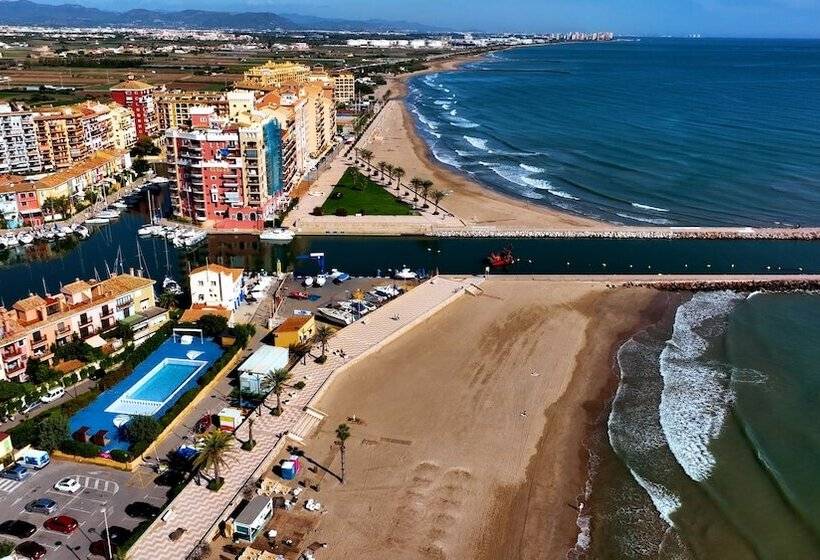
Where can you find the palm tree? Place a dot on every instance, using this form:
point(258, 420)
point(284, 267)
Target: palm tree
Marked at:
point(437, 196)
point(167, 299)
point(217, 448)
point(382, 165)
point(389, 170)
point(250, 431)
point(399, 173)
point(415, 182)
point(342, 435)
point(275, 381)
point(322, 336)
point(426, 185)
point(367, 155)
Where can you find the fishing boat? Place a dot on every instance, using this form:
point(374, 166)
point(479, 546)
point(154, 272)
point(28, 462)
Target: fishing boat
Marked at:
point(336, 316)
point(320, 280)
point(308, 282)
point(25, 238)
point(405, 274)
point(282, 235)
point(501, 258)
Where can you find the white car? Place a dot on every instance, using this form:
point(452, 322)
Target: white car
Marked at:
point(52, 394)
point(70, 485)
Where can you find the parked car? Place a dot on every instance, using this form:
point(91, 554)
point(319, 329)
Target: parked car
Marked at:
point(42, 505)
point(31, 406)
point(52, 394)
point(31, 549)
point(118, 536)
point(61, 524)
point(68, 484)
point(17, 528)
point(143, 510)
point(16, 472)
point(34, 459)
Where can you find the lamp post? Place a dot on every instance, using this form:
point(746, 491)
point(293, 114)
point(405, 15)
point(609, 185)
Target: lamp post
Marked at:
point(107, 534)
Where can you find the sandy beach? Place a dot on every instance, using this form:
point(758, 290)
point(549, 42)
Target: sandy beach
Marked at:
point(392, 138)
point(470, 431)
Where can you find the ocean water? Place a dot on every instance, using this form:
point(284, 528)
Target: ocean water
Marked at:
point(715, 430)
point(656, 131)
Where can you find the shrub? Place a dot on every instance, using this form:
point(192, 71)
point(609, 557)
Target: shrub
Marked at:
point(215, 484)
point(25, 432)
point(321, 359)
point(362, 212)
point(212, 325)
point(79, 448)
point(52, 431)
point(6, 548)
point(299, 385)
point(120, 455)
point(142, 429)
point(317, 211)
point(341, 211)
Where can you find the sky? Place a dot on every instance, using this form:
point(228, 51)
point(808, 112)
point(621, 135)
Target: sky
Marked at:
point(722, 18)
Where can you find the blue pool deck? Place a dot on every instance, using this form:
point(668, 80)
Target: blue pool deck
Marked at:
point(151, 389)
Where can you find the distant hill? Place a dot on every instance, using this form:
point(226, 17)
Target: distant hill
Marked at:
point(23, 12)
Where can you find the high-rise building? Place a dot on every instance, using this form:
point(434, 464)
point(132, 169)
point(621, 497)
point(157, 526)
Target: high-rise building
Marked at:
point(139, 97)
point(18, 140)
point(173, 106)
point(274, 75)
point(344, 87)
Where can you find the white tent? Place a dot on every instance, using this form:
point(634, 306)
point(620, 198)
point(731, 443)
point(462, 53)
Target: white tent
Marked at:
point(263, 361)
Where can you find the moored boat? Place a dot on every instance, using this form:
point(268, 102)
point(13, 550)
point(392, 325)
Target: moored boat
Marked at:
point(336, 316)
point(283, 235)
point(501, 258)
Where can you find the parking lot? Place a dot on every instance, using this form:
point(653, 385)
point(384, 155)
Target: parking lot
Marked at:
point(102, 488)
point(329, 293)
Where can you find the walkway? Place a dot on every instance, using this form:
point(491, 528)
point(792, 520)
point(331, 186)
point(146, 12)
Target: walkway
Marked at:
point(198, 510)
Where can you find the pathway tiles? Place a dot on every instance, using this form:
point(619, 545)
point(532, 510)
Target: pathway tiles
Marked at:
point(197, 509)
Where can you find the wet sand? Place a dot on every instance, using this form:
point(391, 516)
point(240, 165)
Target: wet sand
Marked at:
point(472, 426)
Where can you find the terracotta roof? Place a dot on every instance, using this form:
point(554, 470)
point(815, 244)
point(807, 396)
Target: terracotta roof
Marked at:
point(125, 283)
point(131, 85)
point(293, 324)
point(76, 287)
point(218, 268)
point(14, 183)
point(99, 159)
point(68, 366)
point(194, 314)
point(29, 303)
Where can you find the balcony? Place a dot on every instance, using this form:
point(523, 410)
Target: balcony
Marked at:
point(85, 321)
point(125, 304)
point(106, 312)
point(39, 342)
point(15, 369)
point(11, 352)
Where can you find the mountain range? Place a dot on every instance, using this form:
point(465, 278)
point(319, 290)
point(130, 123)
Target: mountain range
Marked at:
point(24, 12)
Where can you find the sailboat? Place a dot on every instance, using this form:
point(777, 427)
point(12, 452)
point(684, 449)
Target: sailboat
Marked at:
point(169, 284)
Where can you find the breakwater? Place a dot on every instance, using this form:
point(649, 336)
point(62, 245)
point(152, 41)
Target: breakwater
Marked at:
point(632, 233)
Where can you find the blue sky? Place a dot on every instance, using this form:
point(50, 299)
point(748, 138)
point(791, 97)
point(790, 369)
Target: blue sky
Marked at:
point(728, 18)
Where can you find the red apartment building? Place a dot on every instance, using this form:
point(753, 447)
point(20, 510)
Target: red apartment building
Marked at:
point(139, 97)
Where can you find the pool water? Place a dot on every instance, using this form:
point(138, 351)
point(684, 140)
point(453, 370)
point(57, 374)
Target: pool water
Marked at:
point(151, 389)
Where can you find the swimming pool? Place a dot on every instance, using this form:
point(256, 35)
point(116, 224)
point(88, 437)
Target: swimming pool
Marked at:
point(151, 389)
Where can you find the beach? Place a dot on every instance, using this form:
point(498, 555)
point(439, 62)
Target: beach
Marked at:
point(468, 432)
point(392, 138)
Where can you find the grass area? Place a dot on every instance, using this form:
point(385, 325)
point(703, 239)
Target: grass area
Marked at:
point(357, 194)
point(35, 98)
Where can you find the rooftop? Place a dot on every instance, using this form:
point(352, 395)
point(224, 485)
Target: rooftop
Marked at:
point(97, 160)
point(195, 313)
point(292, 324)
point(219, 269)
point(131, 85)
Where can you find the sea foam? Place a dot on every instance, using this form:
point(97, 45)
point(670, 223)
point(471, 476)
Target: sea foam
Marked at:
point(478, 143)
point(696, 394)
point(647, 207)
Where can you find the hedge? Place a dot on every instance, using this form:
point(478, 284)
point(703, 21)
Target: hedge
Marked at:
point(79, 448)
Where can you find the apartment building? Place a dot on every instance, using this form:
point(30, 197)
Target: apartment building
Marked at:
point(173, 107)
point(68, 135)
point(226, 171)
point(19, 205)
point(321, 118)
point(344, 87)
point(274, 75)
point(18, 140)
point(214, 285)
point(139, 98)
point(81, 309)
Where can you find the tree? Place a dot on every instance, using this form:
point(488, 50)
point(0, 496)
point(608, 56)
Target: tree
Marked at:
point(398, 172)
point(389, 170)
point(6, 548)
point(144, 147)
point(342, 435)
point(52, 431)
point(367, 155)
point(124, 331)
point(426, 185)
point(437, 196)
point(415, 182)
point(216, 448)
point(322, 336)
point(142, 430)
point(212, 325)
point(275, 381)
point(40, 372)
point(167, 299)
point(382, 166)
point(299, 350)
point(140, 166)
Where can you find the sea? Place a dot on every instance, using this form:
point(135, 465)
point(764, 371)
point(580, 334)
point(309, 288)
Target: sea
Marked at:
point(687, 132)
point(712, 445)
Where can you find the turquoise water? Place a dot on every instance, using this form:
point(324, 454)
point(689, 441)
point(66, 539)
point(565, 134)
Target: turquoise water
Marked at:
point(658, 131)
point(716, 433)
point(165, 381)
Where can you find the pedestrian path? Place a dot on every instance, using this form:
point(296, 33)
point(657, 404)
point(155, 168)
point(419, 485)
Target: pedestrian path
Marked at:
point(198, 511)
point(8, 485)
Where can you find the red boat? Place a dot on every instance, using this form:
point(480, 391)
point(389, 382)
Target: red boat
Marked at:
point(501, 259)
point(296, 294)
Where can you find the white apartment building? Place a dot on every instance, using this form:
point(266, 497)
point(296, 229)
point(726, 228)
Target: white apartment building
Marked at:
point(214, 285)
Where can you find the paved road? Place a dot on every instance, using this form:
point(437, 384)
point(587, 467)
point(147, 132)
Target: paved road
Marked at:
point(107, 489)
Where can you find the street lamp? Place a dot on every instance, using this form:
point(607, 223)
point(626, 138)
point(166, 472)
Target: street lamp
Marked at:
point(107, 533)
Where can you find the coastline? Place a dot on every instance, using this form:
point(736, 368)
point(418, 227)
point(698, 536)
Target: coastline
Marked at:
point(482, 462)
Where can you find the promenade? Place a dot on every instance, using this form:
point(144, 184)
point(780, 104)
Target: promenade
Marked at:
point(198, 510)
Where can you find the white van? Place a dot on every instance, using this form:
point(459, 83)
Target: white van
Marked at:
point(34, 459)
point(53, 394)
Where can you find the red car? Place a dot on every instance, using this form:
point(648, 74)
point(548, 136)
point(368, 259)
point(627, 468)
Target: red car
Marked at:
point(31, 549)
point(61, 524)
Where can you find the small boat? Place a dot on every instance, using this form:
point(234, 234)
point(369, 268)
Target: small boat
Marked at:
point(25, 238)
point(120, 205)
point(109, 213)
point(336, 316)
point(146, 231)
point(500, 259)
point(96, 221)
point(81, 230)
point(298, 294)
point(277, 234)
point(321, 279)
point(405, 274)
point(338, 277)
point(308, 282)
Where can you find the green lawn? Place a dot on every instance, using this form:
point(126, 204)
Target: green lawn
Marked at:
point(363, 197)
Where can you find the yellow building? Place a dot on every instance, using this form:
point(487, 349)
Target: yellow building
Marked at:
point(6, 448)
point(344, 87)
point(88, 174)
point(275, 74)
point(174, 107)
point(294, 330)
